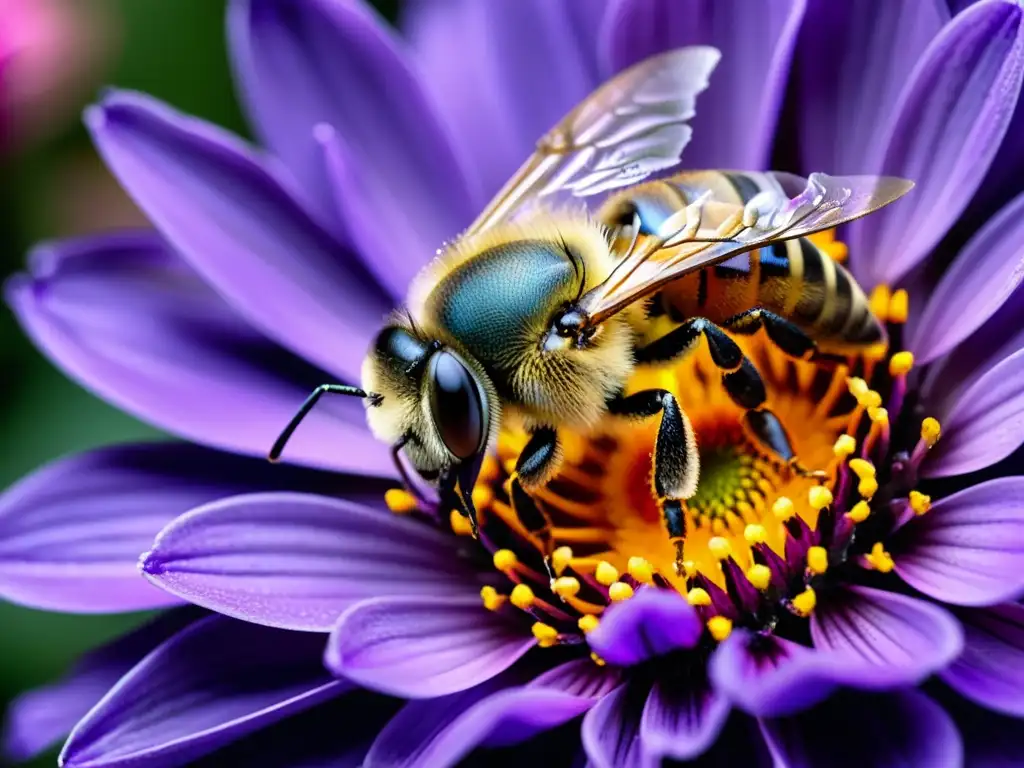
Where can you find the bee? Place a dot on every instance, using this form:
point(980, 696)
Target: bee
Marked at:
point(541, 311)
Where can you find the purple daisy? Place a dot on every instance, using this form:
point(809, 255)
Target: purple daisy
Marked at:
point(809, 615)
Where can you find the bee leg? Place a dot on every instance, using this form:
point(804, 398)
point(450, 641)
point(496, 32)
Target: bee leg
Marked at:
point(535, 465)
point(783, 333)
point(676, 462)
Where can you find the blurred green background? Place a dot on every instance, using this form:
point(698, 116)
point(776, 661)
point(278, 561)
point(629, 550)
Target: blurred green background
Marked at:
point(52, 185)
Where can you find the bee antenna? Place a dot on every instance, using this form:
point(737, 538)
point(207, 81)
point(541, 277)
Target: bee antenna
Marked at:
point(329, 389)
point(578, 265)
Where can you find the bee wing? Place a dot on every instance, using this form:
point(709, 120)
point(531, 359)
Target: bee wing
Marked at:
point(633, 125)
point(709, 232)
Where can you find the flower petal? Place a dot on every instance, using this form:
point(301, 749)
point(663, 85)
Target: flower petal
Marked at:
point(853, 59)
point(990, 740)
point(71, 534)
point(736, 118)
point(681, 721)
point(902, 728)
point(224, 210)
point(336, 63)
point(611, 729)
point(969, 548)
point(423, 647)
point(947, 128)
point(532, 61)
point(297, 561)
point(654, 622)
point(984, 425)
point(876, 639)
point(981, 279)
point(990, 671)
point(769, 676)
point(129, 319)
point(40, 718)
point(206, 687)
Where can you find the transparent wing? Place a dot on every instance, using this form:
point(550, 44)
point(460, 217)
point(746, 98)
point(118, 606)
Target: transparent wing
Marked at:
point(709, 231)
point(633, 125)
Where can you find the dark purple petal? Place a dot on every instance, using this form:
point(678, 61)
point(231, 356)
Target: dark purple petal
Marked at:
point(969, 548)
point(876, 639)
point(422, 647)
point(71, 534)
point(303, 63)
point(736, 118)
point(521, 66)
point(40, 718)
point(990, 740)
point(769, 676)
point(893, 730)
point(224, 210)
point(984, 277)
point(611, 729)
point(654, 622)
point(945, 133)
point(990, 671)
point(681, 720)
point(130, 320)
point(581, 678)
point(853, 59)
point(985, 424)
point(206, 687)
point(297, 561)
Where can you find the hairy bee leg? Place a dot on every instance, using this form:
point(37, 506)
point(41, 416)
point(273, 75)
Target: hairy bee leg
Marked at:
point(782, 333)
point(534, 466)
point(676, 462)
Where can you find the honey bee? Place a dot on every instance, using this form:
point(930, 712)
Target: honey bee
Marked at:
point(541, 311)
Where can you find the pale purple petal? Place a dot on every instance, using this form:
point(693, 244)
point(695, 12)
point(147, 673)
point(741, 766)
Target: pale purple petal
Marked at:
point(983, 277)
point(206, 687)
point(654, 622)
point(681, 719)
point(770, 676)
point(306, 62)
point(877, 639)
point(40, 718)
point(611, 729)
point(894, 730)
point(297, 561)
point(946, 131)
point(852, 61)
point(969, 548)
point(520, 66)
point(990, 671)
point(230, 216)
point(71, 534)
point(736, 118)
point(984, 425)
point(130, 320)
point(422, 647)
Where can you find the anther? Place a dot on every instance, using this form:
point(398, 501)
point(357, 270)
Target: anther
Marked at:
point(606, 573)
point(899, 307)
point(860, 511)
point(720, 627)
point(597, 659)
point(817, 560)
point(879, 415)
point(588, 623)
point(857, 386)
point(901, 363)
point(879, 559)
point(869, 399)
point(505, 560)
point(619, 591)
point(522, 596)
point(640, 569)
point(760, 576)
point(862, 468)
point(482, 496)
point(919, 502)
point(783, 508)
point(689, 569)
point(754, 534)
point(719, 547)
point(698, 597)
point(400, 501)
point(560, 559)
point(879, 302)
point(546, 635)
point(930, 431)
point(492, 599)
point(819, 497)
point(844, 447)
point(805, 602)
point(460, 524)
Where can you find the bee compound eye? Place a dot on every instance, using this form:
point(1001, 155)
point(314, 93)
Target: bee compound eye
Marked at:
point(457, 405)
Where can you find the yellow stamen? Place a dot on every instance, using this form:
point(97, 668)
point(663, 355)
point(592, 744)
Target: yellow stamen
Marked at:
point(805, 602)
point(755, 534)
point(689, 569)
point(482, 496)
point(844, 447)
point(857, 386)
point(597, 659)
point(719, 627)
point(879, 416)
point(566, 586)
point(760, 576)
point(879, 302)
point(606, 573)
point(560, 559)
point(619, 591)
point(505, 560)
point(919, 502)
point(719, 547)
point(867, 487)
point(860, 512)
point(879, 559)
point(783, 508)
point(492, 599)
point(546, 635)
point(901, 363)
point(819, 497)
point(869, 399)
point(640, 569)
point(588, 623)
point(698, 597)
point(522, 596)
point(460, 524)
point(862, 468)
point(899, 307)
point(930, 431)
point(817, 559)
point(400, 501)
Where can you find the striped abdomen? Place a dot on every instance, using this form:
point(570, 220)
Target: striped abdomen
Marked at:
point(793, 278)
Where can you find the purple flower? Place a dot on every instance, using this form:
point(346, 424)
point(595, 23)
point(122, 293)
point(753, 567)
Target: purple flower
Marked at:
point(854, 620)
